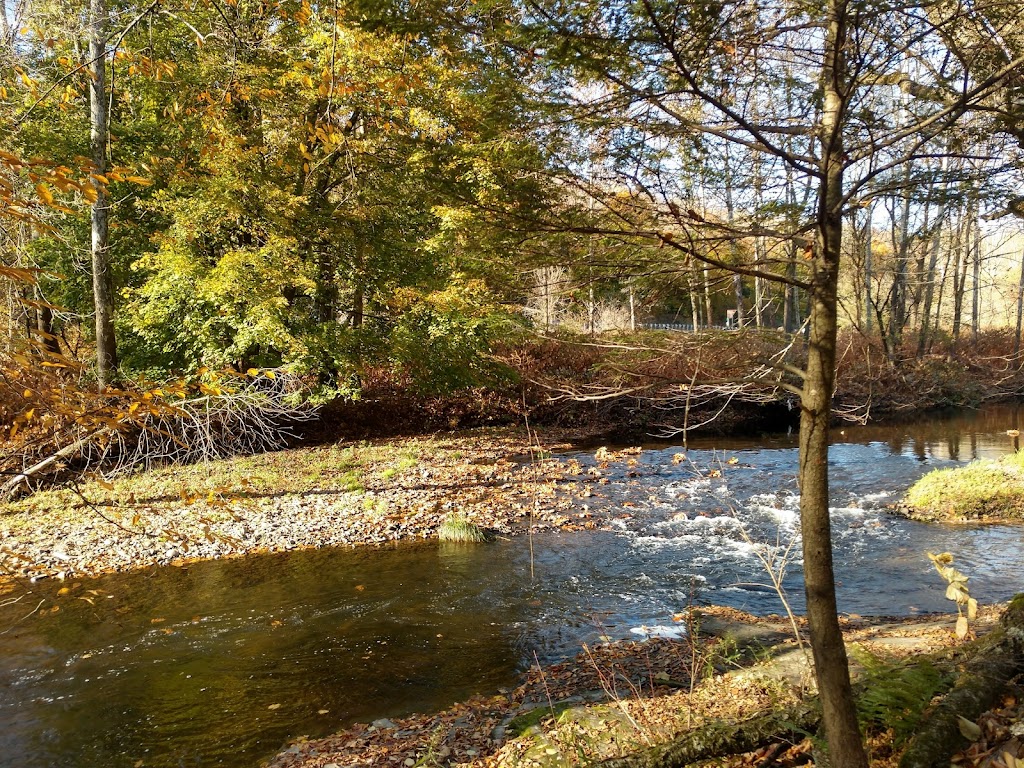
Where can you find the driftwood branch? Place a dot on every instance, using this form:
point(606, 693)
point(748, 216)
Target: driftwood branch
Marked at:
point(73, 449)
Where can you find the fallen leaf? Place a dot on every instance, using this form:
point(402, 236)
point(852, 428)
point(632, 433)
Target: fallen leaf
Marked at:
point(970, 730)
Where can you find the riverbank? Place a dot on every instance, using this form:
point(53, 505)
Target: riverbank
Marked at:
point(612, 700)
point(631, 386)
point(346, 494)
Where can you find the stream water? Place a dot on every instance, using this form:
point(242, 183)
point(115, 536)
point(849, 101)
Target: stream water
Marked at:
point(220, 663)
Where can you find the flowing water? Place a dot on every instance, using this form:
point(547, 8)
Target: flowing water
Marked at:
point(220, 663)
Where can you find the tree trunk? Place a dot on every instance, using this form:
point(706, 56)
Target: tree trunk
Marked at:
point(102, 279)
point(730, 213)
point(44, 327)
point(868, 253)
point(790, 306)
point(632, 309)
point(976, 281)
point(831, 666)
point(960, 272)
point(929, 274)
point(692, 281)
point(709, 318)
point(898, 308)
point(1020, 310)
point(591, 311)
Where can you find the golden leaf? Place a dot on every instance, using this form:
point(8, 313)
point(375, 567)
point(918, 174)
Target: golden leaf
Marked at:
point(44, 193)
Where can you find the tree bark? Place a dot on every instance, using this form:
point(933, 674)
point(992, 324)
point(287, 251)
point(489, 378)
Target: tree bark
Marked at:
point(976, 276)
point(1020, 310)
point(898, 308)
point(831, 666)
point(102, 279)
point(933, 261)
point(44, 327)
point(709, 318)
point(960, 272)
point(730, 213)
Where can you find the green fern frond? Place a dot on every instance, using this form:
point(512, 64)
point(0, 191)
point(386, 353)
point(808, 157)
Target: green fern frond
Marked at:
point(897, 694)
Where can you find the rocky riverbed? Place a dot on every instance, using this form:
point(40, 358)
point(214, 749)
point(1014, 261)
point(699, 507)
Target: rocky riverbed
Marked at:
point(341, 495)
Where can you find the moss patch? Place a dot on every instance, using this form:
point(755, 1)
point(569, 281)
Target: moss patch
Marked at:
point(986, 490)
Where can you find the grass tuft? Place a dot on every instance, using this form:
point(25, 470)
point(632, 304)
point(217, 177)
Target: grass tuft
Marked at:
point(457, 527)
point(983, 489)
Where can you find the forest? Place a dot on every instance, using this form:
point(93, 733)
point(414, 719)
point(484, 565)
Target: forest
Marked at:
point(228, 223)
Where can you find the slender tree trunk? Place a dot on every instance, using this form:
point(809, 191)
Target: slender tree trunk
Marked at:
point(632, 309)
point(898, 309)
point(591, 311)
point(102, 279)
point(960, 272)
point(831, 666)
point(929, 274)
point(49, 345)
point(759, 284)
point(730, 213)
point(325, 302)
point(868, 276)
point(920, 270)
point(790, 308)
point(976, 281)
point(692, 281)
point(709, 318)
point(1020, 309)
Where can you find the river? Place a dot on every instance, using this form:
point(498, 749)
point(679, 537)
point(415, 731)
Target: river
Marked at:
point(220, 663)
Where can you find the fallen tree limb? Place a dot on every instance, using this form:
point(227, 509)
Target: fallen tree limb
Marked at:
point(723, 738)
point(982, 679)
point(11, 486)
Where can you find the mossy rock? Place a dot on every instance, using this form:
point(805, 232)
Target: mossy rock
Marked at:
point(984, 490)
